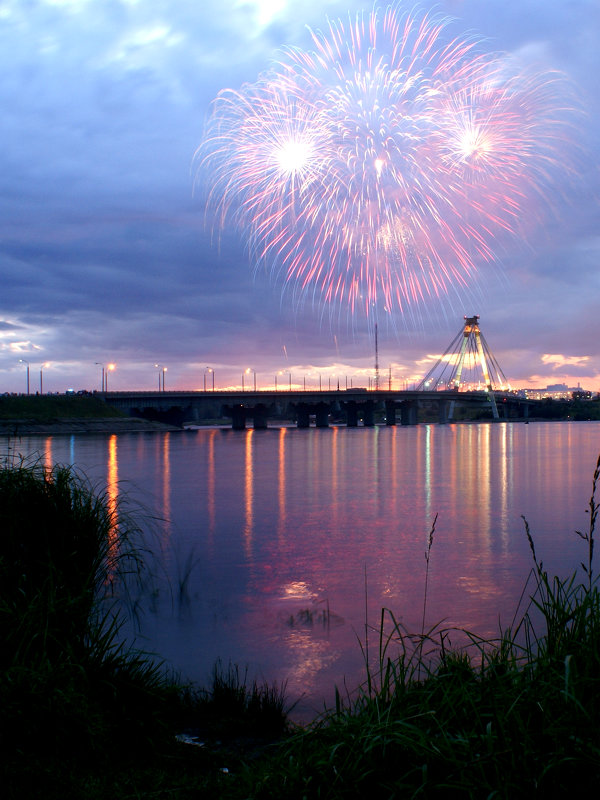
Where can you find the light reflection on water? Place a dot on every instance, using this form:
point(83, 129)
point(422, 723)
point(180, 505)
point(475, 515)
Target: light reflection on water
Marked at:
point(261, 532)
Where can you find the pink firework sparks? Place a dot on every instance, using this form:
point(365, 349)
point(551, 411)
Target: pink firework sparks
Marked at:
point(379, 169)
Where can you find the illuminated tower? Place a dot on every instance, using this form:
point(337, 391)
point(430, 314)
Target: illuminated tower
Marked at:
point(468, 356)
point(472, 343)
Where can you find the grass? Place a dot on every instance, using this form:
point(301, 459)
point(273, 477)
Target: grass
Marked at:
point(68, 683)
point(48, 408)
point(82, 712)
point(513, 717)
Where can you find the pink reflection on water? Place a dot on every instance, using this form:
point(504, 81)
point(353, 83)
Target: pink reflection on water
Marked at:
point(301, 537)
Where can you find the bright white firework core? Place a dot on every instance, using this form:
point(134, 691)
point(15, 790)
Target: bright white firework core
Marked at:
point(473, 144)
point(293, 156)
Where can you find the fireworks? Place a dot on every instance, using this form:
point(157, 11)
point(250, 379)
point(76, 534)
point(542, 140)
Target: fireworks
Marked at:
point(381, 168)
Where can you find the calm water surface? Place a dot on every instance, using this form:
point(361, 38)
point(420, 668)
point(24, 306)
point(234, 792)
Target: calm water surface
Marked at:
point(261, 533)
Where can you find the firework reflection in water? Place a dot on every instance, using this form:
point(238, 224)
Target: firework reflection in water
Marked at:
point(382, 168)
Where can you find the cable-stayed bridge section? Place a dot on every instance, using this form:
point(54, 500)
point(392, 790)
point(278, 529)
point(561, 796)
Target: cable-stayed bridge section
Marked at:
point(467, 374)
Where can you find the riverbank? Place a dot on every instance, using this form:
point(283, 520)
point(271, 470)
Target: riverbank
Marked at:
point(84, 716)
point(66, 426)
point(33, 415)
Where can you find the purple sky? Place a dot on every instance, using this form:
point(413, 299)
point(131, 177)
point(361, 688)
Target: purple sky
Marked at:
point(104, 254)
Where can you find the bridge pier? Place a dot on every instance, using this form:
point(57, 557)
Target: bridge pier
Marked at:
point(351, 410)
point(238, 418)
point(408, 413)
point(444, 410)
point(259, 415)
point(322, 415)
point(302, 415)
point(368, 414)
point(390, 412)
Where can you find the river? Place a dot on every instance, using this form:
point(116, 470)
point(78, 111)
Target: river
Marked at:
point(271, 549)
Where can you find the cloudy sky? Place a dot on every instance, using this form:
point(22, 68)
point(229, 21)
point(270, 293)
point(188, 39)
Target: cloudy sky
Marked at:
point(105, 254)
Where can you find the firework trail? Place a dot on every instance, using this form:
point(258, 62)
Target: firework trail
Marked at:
point(381, 168)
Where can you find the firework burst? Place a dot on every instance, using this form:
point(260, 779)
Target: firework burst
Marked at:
point(380, 168)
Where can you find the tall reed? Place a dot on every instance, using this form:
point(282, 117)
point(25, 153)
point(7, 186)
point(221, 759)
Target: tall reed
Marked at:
point(67, 678)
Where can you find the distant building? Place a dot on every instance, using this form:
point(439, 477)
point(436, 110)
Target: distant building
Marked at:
point(558, 391)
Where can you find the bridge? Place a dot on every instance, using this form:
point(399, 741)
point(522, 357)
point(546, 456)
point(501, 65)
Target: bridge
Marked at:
point(306, 407)
point(440, 389)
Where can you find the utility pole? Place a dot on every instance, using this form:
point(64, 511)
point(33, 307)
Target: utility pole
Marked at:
point(376, 360)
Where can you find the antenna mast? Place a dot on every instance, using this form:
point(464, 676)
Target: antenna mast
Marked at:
point(376, 360)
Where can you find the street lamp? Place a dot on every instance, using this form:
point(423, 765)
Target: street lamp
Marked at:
point(42, 367)
point(22, 360)
point(99, 364)
point(110, 368)
point(211, 370)
point(162, 370)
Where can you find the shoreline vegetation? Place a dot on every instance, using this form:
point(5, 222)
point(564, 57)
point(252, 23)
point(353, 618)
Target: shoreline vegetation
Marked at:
point(84, 715)
point(31, 415)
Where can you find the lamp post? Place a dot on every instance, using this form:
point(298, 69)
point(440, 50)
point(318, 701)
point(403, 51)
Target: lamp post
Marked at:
point(99, 364)
point(22, 360)
point(211, 370)
point(42, 367)
point(161, 370)
point(109, 368)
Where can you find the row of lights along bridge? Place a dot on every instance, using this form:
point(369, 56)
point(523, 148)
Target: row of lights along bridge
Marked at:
point(207, 385)
point(210, 384)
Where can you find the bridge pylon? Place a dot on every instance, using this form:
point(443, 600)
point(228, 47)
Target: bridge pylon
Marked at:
point(467, 364)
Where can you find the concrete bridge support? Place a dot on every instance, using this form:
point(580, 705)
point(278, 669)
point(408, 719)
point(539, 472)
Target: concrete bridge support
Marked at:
point(390, 412)
point(408, 413)
point(238, 417)
point(368, 414)
point(322, 415)
point(302, 415)
point(351, 410)
point(259, 415)
point(443, 411)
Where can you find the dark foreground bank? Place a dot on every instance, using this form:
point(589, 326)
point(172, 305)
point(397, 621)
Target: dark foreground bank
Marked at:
point(84, 716)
